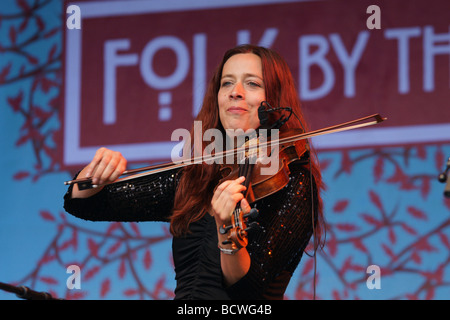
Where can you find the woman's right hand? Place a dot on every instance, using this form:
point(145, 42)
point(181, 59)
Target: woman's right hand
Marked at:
point(106, 167)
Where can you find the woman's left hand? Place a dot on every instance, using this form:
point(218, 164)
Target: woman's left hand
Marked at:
point(225, 198)
point(223, 203)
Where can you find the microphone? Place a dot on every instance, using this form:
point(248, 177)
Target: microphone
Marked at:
point(444, 178)
point(263, 115)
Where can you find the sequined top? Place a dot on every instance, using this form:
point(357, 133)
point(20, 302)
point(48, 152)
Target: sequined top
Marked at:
point(275, 247)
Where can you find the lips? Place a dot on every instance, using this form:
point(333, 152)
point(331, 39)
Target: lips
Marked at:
point(236, 110)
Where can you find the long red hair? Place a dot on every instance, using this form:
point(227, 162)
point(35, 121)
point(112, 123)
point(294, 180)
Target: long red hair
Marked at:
point(195, 190)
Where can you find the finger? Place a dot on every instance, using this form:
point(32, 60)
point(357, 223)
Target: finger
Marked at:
point(228, 204)
point(96, 178)
point(245, 206)
point(235, 186)
point(237, 181)
point(224, 205)
point(225, 210)
point(109, 169)
point(114, 168)
point(95, 161)
point(120, 168)
point(230, 192)
point(224, 186)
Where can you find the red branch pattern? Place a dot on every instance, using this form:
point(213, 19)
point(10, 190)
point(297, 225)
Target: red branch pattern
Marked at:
point(121, 245)
point(398, 228)
point(35, 77)
point(392, 233)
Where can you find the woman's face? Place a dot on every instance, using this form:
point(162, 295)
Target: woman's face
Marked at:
point(241, 92)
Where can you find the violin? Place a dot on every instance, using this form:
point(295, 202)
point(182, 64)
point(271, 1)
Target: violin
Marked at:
point(259, 185)
point(293, 147)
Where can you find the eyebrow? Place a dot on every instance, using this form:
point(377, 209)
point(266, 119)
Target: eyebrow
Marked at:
point(246, 75)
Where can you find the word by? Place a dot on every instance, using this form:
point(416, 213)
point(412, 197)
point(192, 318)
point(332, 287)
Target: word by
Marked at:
point(374, 21)
point(74, 20)
point(313, 52)
point(374, 280)
point(74, 280)
point(255, 149)
point(433, 45)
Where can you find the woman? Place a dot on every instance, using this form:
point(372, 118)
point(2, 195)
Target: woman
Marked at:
point(197, 206)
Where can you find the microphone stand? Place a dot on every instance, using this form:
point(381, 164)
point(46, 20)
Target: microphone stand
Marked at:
point(26, 293)
point(444, 178)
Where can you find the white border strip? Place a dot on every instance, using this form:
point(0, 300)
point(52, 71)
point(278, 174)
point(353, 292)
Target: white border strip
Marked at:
point(384, 136)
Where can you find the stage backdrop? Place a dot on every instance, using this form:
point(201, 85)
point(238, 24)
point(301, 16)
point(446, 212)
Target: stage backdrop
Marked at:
point(126, 74)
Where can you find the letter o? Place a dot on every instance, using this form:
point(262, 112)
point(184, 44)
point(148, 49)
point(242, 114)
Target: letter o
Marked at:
point(147, 72)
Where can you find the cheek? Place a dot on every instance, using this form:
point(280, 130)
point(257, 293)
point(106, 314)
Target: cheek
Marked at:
point(221, 106)
point(254, 122)
point(223, 117)
point(221, 99)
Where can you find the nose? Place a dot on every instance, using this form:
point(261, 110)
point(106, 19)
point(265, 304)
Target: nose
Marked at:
point(237, 92)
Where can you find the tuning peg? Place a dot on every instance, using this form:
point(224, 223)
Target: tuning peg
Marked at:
point(224, 229)
point(252, 226)
point(252, 214)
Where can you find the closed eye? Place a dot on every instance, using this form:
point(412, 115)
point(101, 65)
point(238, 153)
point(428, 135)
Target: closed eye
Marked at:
point(253, 84)
point(225, 83)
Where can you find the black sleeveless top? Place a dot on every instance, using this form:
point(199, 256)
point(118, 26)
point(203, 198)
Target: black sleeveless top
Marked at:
point(275, 247)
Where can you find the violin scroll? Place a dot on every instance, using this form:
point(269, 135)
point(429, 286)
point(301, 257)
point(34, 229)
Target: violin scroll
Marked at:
point(237, 231)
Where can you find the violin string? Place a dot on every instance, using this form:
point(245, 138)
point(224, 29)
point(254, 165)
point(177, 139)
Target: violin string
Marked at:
point(197, 160)
point(304, 135)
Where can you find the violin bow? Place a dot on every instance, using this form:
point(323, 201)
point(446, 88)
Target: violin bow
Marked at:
point(153, 169)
